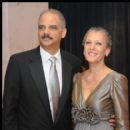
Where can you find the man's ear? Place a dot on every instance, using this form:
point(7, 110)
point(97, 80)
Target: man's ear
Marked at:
point(64, 32)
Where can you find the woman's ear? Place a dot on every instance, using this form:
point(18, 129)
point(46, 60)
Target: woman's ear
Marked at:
point(64, 32)
point(108, 51)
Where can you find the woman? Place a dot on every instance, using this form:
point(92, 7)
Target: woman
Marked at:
point(99, 91)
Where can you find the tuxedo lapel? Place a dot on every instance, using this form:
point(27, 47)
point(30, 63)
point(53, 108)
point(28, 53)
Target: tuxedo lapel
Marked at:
point(66, 78)
point(39, 78)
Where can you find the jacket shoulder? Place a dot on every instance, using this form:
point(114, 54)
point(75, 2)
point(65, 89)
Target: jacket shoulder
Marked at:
point(70, 57)
point(24, 54)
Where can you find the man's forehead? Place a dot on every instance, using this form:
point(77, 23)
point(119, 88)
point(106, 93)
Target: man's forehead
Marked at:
point(49, 14)
point(48, 24)
point(51, 19)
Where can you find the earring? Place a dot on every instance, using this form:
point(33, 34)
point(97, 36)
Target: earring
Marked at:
point(107, 54)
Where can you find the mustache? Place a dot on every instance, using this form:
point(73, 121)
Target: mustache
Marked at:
point(46, 36)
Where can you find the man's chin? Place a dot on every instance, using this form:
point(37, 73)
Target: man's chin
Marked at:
point(46, 40)
point(46, 43)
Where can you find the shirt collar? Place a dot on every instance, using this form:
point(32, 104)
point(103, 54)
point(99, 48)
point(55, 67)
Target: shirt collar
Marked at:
point(46, 56)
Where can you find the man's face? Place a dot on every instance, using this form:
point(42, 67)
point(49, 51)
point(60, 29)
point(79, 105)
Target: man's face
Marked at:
point(50, 31)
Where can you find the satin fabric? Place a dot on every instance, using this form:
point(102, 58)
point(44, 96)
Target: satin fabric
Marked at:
point(109, 97)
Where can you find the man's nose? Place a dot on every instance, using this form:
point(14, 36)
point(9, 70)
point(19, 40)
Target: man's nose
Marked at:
point(46, 30)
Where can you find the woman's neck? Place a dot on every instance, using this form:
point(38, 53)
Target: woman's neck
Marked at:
point(97, 68)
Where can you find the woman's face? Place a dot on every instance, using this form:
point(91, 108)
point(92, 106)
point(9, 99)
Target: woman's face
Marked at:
point(96, 47)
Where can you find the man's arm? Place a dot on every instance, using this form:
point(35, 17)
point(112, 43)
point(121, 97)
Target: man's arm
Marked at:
point(11, 95)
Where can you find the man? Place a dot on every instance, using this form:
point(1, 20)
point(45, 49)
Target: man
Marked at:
point(27, 101)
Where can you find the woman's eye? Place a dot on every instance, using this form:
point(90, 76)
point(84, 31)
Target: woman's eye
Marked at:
point(98, 43)
point(87, 42)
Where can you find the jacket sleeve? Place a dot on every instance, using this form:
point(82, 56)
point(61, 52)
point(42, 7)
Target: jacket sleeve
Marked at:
point(119, 94)
point(11, 96)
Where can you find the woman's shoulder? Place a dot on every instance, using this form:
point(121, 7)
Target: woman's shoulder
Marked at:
point(118, 76)
point(119, 81)
point(76, 76)
point(79, 75)
point(119, 84)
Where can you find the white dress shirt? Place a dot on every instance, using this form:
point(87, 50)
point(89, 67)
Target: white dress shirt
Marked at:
point(46, 63)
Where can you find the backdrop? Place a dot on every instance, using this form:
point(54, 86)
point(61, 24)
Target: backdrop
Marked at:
point(114, 16)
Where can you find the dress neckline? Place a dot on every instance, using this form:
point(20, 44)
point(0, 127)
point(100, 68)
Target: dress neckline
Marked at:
point(97, 87)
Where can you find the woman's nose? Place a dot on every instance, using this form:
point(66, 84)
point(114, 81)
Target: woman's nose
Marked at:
point(92, 46)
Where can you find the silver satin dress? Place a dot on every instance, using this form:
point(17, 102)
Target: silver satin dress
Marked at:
point(109, 97)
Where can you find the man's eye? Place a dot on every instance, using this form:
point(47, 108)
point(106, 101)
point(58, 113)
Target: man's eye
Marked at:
point(40, 27)
point(54, 27)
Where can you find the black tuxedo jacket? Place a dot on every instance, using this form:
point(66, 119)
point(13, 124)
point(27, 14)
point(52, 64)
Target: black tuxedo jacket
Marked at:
point(25, 102)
